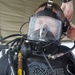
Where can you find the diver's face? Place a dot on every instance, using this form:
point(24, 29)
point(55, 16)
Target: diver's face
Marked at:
point(46, 21)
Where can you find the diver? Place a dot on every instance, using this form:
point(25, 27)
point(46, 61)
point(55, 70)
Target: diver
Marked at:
point(41, 49)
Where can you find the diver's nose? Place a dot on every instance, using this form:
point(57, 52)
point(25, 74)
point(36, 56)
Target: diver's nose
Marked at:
point(43, 31)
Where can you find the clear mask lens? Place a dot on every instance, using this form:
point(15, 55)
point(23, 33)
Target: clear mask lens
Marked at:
point(44, 28)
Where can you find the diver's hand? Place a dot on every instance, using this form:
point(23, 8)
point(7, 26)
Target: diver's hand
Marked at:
point(68, 9)
point(71, 32)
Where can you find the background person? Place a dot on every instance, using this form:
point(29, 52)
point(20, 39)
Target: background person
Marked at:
point(67, 7)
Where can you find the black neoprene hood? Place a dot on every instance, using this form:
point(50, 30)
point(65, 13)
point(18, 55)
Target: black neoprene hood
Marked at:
point(47, 12)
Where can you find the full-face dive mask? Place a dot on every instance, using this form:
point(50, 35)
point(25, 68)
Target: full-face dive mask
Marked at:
point(45, 26)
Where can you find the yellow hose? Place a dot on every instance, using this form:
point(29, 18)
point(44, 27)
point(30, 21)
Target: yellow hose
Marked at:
point(20, 66)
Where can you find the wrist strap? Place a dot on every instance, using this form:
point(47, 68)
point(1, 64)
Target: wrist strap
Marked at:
point(65, 1)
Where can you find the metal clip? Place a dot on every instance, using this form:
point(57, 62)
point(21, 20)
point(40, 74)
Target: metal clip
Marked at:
point(50, 2)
